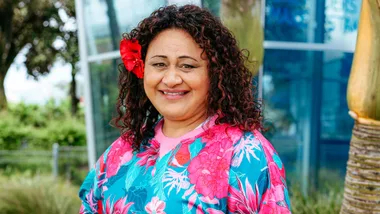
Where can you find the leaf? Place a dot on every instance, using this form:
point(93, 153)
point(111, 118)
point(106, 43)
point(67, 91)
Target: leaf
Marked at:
point(192, 200)
point(213, 211)
point(185, 209)
point(122, 171)
point(208, 200)
point(233, 177)
point(157, 179)
point(189, 191)
point(262, 182)
point(196, 147)
point(133, 173)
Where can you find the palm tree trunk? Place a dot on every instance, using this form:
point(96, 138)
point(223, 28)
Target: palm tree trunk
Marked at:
point(362, 185)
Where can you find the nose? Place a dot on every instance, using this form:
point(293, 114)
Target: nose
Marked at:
point(171, 78)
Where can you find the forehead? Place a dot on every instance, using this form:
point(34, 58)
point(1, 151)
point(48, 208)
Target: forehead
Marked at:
point(174, 42)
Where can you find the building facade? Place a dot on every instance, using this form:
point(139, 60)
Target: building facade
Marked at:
point(308, 46)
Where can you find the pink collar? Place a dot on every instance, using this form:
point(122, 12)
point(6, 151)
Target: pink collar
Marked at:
point(169, 143)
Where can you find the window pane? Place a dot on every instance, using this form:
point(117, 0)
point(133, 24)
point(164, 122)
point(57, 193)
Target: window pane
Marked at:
point(322, 21)
point(305, 104)
point(106, 20)
point(104, 78)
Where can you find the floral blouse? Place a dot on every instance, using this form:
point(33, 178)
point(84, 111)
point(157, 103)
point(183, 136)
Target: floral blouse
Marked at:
point(215, 170)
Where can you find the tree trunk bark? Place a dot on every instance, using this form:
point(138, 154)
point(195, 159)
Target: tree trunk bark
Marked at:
point(3, 97)
point(73, 95)
point(362, 185)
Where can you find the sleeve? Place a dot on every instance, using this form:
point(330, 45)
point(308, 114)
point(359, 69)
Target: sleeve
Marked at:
point(257, 178)
point(90, 191)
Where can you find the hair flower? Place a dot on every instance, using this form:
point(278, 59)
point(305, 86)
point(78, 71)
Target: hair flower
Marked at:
point(130, 51)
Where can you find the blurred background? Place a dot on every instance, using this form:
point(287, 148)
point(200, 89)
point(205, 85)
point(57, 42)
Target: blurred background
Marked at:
point(58, 72)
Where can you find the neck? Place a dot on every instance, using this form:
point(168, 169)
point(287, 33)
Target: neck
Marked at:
point(178, 128)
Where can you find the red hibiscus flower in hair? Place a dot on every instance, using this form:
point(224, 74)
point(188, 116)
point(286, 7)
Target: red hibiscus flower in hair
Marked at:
point(130, 51)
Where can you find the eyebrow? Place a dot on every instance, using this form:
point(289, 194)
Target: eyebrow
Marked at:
point(187, 57)
point(180, 57)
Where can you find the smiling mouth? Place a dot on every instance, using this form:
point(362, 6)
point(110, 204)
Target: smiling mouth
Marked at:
point(174, 94)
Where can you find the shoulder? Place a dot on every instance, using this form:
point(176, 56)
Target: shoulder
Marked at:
point(117, 154)
point(107, 165)
point(254, 149)
point(254, 140)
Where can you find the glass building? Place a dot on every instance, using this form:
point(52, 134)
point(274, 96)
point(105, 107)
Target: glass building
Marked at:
point(308, 47)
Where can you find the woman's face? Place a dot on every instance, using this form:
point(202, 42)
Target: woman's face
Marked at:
point(176, 76)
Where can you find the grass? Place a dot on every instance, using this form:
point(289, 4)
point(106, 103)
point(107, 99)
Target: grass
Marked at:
point(326, 201)
point(40, 194)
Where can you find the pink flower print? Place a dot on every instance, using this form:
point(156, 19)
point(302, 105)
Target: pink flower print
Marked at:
point(81, 210)
point(242, 201)
point(199, 209)
point(213, 211)
point(100, 166)
point(155, 206)
point(182, 156)
point(274, 201)
point(119, 154)
point(268, 148)
point(119, 207)
point(275, 174)
point(222, 133)
point(150, 155)
point(210, 169)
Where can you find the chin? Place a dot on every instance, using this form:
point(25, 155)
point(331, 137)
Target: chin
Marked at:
point(173, 115)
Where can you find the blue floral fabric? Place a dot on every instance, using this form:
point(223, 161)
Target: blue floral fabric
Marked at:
point(220, 170)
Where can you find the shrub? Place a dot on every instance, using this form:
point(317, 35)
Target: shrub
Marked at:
point(38, 127)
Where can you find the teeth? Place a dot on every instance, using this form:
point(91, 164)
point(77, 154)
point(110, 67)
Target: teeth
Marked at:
point(174, 93)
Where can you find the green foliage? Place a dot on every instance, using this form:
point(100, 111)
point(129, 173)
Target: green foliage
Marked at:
point(73, 166)
point(327, 201)
point(22, 193)
point(38, 127)
point(72, 163)
point(34, 26)
point(35, 166)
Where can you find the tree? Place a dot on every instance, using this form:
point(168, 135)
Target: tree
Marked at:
point(69, 52)
point(34, 26)
point(362, 184)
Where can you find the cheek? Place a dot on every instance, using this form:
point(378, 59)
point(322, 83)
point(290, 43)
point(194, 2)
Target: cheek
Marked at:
point(151, 80)
point(201, 85)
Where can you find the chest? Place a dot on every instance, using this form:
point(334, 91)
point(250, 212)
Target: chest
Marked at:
point(190, 178)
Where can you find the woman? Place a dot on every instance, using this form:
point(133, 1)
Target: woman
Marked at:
point(190, 126)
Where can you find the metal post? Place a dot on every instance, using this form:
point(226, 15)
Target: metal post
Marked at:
point(261, 69)
point(87, 78)
point(55, 159)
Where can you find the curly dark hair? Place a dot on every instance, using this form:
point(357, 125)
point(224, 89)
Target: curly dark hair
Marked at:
point(231, 93)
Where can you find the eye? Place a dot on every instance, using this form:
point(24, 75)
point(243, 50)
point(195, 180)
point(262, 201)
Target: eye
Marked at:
point(159, 65)
point(187, 66)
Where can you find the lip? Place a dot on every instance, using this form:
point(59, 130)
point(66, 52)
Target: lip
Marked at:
point(173, 94)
